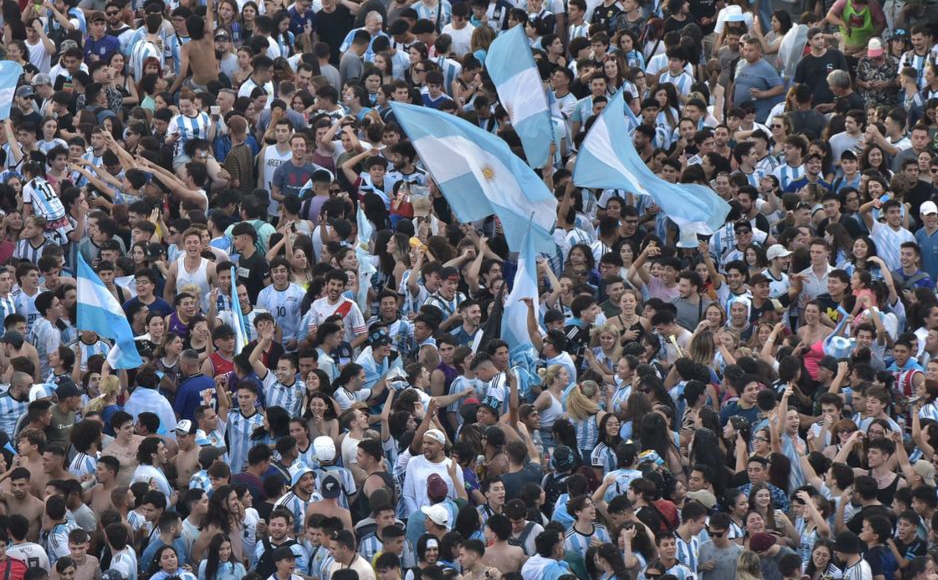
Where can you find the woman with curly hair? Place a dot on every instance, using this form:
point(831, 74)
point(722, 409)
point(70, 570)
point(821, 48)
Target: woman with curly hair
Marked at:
point(585, 413)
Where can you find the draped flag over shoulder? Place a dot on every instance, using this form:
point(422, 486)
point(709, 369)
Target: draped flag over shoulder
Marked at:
point(608, 159)
point(366, 269)
point(10, 73)
point(511, 67)
point(522, 353)
point(480, 176)
point(237, 316)
point(100, 312)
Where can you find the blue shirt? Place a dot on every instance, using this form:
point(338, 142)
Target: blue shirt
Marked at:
point(761, 76)
point(298, 22)
point(928, 244)
point(189, 396)
point(103, 48)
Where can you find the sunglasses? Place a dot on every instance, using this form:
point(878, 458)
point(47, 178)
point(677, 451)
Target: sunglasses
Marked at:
point(112, 13)
point(763, 439)
point(714, 534)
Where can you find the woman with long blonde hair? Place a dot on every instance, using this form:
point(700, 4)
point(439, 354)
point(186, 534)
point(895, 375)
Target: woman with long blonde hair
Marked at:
point(106, 403)
point(549, 403)
point(585, 413)
point(605, 352)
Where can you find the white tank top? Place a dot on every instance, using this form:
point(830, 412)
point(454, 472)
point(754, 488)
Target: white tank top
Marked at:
point(199, 277)
point(550, 415)
point(272, 160)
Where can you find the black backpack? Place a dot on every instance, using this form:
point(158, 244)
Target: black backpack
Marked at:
point(265, 564)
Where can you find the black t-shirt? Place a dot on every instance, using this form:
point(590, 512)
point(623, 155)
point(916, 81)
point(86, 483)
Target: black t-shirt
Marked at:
point(252, 272)
point(704, 9)
point(332, 28)
point(813, 71)
point(515, 481)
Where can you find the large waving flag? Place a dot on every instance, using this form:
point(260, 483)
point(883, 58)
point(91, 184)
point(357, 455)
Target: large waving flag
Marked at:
point(515, 320)
point(480, 176)
point(366, 269)
point(100, 312)
point(608, 159)
point(10, 73)
point(511, 67)
point(237, 316)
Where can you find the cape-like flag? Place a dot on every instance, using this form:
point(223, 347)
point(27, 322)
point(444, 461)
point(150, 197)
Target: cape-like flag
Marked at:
point(511, 67)
point(515, 320)
point(607, 159)
point(10, 73)
point(480, 176)
point(100, 312)
point(237, 317)
point(366, 269)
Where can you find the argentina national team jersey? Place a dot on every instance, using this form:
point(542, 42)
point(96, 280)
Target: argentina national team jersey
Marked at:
point(297, 506)
point(276, 394)
point(188, 128)
point(580, 543)
point(82, 465)
point(43, 199)
point(239, 431)
point(284, 306)
point(10, 412)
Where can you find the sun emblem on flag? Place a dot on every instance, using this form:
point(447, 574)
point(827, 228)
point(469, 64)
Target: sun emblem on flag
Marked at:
point(488, 172)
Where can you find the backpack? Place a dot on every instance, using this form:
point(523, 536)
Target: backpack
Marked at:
point(265, 564)
point(521, 540)
point(554, 486)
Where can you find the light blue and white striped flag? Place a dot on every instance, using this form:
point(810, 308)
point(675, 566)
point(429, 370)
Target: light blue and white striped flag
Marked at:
point(514, 329)
point(511, 67)
point(100, 312)
point(366, 269)
point(607, 159)
point(237, 317)
point(480, 176)
point(9, 75)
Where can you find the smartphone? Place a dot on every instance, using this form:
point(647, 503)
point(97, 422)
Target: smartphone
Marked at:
point(886, 197)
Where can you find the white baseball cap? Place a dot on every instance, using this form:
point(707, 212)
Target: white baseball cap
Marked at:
point(324, 447)
point(437, 513)
point(928, 208)
point(777, 251)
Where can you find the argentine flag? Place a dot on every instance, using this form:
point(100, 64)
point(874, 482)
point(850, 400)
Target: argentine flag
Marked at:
point(480, 176)
point(237, 317)
point(99, 311)
point(511, 67)
point(9, 75)
point(607, 159)
point(514, 328)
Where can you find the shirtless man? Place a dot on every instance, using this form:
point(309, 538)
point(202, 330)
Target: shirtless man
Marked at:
point(187, 459)
point(499, 553)
point(99, 496)
point(198, 55)
point(53, 463)
point(124, 446)
point(30, 445)
point(20, 501)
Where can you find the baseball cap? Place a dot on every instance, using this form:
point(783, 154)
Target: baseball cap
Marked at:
point(874, 48)
point(185, 427)
point(13, 338)
point(112, 575)
point(847, 542)
point(436, 513)
point(41, 79)
point(758, 279)
point(761, 542)
point(210, 453)
point(331, 488)
point(928, 208)
point(283, 553)
point(777, 251)
point(222, 35)
point(516, 509)
point(926, 471)
point(828, 362)
point(436, 487)
point(24, 91)
point(436, 435)
point(67, 45)
point(324, 447)
point(67, 389)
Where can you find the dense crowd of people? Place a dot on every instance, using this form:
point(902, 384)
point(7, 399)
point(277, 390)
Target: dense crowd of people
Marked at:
point(325, 394)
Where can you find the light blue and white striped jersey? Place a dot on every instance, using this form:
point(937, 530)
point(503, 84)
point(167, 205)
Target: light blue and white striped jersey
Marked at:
point(142, 49)
point(284, 306)
point(587, 432)
point(297, 507)
point(10, 412)
point(188, 129)
point(412, 303)
point(918, 63)
point(101, 347)
point(201, 480)
point(682, 82)
point(82, 465)
point(172, 47)
point(369, 546)
point(604, 458)
point(929, 411)
point(239, 437)
point(681, 571)
point(687, 552)
point(450, 68)
point(44, 200)
point(345, 480)
point(786, 174)
point(443, 8)
point(47, 339)
point(578, 30)
point(579, 543)
point(55, 540)
point(289, 397)
point(7, 307)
